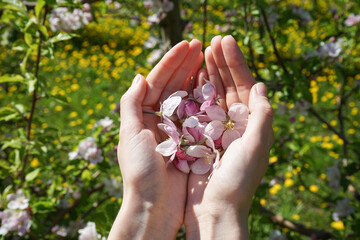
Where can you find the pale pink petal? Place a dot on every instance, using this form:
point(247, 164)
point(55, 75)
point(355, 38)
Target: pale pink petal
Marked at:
point(179, 93)
point(200, 166)
point(167, 147)
point(215, 112)
point(181, 110)
point(191, 108)
point(240, 127)
point(197, 151)
point(191, 122)
point(197, 133)
point(214, 129)
point(228, 137)
point(205, 105)
point(198, 94)
point(170, 105)
point(182, 165)
point(238, 112)
point(209, 91)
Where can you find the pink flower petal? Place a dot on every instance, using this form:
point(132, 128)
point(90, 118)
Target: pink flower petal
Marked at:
point(240, 127)
point(238, 112)
point(228, 137)
point(198, 94)
point(214, 129)
point(169, 105)
point(166, 148)
point(215, 112)
point(198, 151)
point(200, 166)
point(182, 165)
point(209, 91)
point(191, 122)
point(181, 94)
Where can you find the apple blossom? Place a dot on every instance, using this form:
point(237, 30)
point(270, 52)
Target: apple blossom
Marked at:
point(352, 20)
point(88, 232)
point(199, 130)
point(17, 200)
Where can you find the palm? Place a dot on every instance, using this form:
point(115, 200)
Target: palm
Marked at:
point(144, 170)
point(233, 81)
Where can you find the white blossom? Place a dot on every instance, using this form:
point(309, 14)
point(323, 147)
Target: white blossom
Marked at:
point(106, 123)
point(17, 200)
point(88, 150)
point(62, 19)
point(14, 220)
point(89, 232)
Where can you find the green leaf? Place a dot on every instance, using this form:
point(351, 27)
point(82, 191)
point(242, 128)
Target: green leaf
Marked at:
point(62, 37)
point(28, 39)
point(32, 175)
point(16, 5)
point(13, 143)
point(24, 61)
point(31, 85)
point(43, 30)
point(7, 114)
point(11, 78)
point(4, 164)
point(86, 175)
point(19, 45)
point(39, 5)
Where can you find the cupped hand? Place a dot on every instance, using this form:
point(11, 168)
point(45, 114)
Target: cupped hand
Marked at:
point(217, 208)
point(154, 195)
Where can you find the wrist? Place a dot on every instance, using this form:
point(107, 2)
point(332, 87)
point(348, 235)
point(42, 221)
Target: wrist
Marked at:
point(217, 221)
point(140, 219)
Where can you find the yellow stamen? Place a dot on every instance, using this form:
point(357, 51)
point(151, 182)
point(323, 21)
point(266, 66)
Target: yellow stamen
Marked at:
point(230, 125)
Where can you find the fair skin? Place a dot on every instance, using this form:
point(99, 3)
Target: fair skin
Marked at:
point(159, 199)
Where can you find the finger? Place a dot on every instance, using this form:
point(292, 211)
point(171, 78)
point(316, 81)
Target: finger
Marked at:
point(183, 71)
point(201, 76)
point(190, 83)
point(238, 68)
point(259, 128)
point(214, 76)
point(226, 77)
point(162, 72)
point(131, 114)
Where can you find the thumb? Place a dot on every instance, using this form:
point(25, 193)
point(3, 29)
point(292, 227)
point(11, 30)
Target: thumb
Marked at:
point(259, 128)
point(131, 115)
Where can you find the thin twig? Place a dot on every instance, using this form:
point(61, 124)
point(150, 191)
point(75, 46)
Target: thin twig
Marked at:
point(204, 24)
point(273, 43)
point(34, 98)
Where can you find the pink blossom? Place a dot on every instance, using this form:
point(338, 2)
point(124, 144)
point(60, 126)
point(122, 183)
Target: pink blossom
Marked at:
point(14, 220)
point(205, 94)
point(352, 20)
point(207, 157)
point(187, 108)
point(193, 130)
point(172, 102)
point(229, 126)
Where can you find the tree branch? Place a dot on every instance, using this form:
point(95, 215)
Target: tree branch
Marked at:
point(281, 62)
point(296, 227)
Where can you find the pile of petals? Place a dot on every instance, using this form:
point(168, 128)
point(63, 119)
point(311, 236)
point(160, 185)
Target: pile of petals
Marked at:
point(199, 130)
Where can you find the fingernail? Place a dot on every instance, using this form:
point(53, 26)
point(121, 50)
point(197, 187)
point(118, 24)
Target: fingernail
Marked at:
point(136, 80)
point(261, 89)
